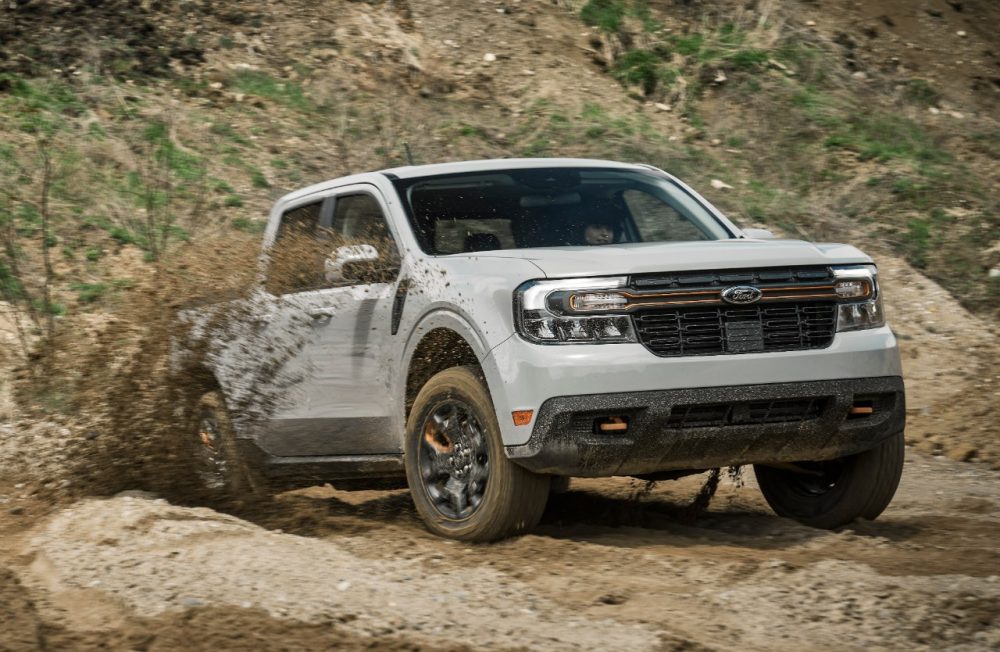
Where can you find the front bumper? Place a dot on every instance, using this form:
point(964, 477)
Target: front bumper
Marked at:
point(710, 427)
point(523, 376)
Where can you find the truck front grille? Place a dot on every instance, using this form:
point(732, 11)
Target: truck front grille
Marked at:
point(722, 329)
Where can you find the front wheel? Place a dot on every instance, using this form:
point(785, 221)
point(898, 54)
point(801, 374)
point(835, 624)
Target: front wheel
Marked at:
point(834, 493)
point(463, 485)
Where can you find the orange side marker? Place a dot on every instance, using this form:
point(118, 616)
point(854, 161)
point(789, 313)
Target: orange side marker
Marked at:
point(614, 424)
point(522, 417)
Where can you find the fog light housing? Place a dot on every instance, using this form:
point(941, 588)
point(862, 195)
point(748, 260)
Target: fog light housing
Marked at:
point(859, 316)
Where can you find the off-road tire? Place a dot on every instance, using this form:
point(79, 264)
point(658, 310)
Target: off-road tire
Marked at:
point(863, 486)
point(221, 474)
point(513, 499)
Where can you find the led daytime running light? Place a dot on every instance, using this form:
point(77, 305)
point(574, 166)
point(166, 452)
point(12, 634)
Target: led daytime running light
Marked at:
point(594, 301)
point(853, 289)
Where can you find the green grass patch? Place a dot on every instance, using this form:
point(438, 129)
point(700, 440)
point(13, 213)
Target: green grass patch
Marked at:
point(186, 166)
point(917, 242)
point(920, 92)
point(747, 59)
point(593, 111)
point(642, 68)
point(122, 236)
point(178, 233)
point(258, 179)
point(471, 131)
point(95, 222)
point(221, 185)
point(922, 236)
point(640, 10)
point(39, 106)
point(226, 130)
point(873, 135)
point(55, 308)
point(247, 225)
point(96, 131)
point(233, 201)
point(284, 92)
point(812, 64)
point(606, 15)
point(883, 137)
point(688, 44)
point(539, 146)
point(10, 285)
point(89, 292)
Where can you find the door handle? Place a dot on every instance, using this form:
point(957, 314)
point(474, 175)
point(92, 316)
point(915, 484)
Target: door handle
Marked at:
point(322, 314)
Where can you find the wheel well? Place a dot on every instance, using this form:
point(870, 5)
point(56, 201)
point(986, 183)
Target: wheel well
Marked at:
point(194, 380)
point(440, 349)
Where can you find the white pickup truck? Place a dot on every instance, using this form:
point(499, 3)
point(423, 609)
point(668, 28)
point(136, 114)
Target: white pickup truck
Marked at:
point(486, 329)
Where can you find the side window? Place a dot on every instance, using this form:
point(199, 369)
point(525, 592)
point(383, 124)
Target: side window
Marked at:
point(296, 258)
point(358, 219)
point(658, 220)
point(363, 241)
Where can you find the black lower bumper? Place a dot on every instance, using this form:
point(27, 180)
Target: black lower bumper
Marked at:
point(712, 427)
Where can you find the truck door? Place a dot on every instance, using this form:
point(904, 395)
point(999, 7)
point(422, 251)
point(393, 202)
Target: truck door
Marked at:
point(333, 279)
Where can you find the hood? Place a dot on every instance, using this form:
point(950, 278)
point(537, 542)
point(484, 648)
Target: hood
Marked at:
point(639, 258)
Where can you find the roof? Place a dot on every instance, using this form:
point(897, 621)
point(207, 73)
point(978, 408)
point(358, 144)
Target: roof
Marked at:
point(485, 165)
point(490, 165)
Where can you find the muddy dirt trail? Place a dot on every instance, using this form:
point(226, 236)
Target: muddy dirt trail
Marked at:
point(611, 566)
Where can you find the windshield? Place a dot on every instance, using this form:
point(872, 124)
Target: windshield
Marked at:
point(552, 207)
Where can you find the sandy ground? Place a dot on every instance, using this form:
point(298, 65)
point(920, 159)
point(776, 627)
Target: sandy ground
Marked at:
point(607, 568)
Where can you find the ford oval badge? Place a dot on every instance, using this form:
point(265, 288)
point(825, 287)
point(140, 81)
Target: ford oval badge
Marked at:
point(742, 294)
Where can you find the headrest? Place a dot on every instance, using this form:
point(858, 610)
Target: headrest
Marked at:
point(482, 242)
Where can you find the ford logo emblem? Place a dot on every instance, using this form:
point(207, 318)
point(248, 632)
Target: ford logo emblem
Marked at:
point(742, 294)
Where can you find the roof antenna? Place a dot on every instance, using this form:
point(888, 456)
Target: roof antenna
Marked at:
point(409, 154)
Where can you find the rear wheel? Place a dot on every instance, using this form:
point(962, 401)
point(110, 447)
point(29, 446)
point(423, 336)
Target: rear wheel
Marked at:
point(221, 473)
point(462, 482)
point(834, 493)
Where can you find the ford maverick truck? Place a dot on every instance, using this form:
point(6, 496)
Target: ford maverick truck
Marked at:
point(487, 329)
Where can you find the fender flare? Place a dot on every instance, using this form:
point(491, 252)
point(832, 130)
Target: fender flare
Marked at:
point(446, 318)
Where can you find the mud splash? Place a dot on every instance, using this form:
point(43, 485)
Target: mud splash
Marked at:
point(128, 384)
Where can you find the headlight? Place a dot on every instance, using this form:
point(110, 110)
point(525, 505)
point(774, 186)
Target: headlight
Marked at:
point(861, 301)
point(549, 312)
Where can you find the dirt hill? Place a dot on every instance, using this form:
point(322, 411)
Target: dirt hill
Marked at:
point(143, 141)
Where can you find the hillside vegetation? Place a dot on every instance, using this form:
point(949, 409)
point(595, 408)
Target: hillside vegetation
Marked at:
point(130, 130)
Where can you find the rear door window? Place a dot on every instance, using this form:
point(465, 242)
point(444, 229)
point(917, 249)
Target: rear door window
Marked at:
point(297, 255)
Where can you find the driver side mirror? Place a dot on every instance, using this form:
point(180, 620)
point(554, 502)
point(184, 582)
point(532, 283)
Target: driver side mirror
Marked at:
point(352, 263)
